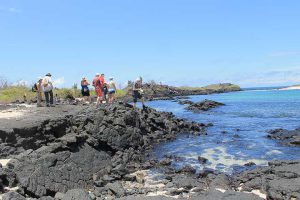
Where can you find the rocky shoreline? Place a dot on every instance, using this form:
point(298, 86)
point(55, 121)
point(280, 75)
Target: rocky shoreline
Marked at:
point(84, 152)
point(286, 137)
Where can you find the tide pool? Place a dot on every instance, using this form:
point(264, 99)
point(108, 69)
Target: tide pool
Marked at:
point(239, 132)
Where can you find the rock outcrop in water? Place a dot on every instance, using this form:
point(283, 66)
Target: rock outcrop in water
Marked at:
point(286, 137)
point(203, 105)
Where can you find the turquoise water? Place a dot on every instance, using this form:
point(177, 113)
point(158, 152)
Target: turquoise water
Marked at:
point(239, 132)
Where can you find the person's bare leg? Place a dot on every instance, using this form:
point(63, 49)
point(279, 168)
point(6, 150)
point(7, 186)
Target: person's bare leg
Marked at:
point(112, 98)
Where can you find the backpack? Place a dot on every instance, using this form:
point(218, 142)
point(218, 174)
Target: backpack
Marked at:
point(34, 88)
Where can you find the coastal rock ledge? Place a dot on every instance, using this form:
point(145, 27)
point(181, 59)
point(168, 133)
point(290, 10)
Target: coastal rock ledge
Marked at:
point(98, 146)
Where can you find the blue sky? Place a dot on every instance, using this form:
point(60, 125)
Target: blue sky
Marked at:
point(178, 42)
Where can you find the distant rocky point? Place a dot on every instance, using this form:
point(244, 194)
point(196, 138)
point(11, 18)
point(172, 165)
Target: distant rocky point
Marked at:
point(153, 91)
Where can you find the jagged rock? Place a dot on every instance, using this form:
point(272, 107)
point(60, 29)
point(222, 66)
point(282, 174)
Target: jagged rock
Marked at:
point(280, 180)
point(202, 160)
point(250, 164)
point(59, 196)
point(204, 105)
point(286, 137)
point(58, 167)
point(116, 188)
point(13, 196)
point(187, 169)
point(183, 102)
point(77, 194)
point(165, 162)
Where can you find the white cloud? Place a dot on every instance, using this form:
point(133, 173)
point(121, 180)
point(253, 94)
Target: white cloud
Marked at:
point(59, 82)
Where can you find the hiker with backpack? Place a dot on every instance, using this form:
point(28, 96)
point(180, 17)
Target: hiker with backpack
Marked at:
point(85, 91)
point(98, 84)
point(138, 92)
point(47, 86)
point(37, 88)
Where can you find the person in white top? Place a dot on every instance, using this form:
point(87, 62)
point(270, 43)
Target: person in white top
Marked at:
point(111, 90)
point(48, 89)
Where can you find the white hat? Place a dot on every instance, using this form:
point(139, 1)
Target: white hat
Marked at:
point(39, 78)
point(97, 74)
point(138, 79)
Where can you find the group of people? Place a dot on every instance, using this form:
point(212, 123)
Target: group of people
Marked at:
point(105, 91)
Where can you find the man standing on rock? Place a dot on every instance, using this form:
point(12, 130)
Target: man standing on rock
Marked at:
point(138, 92)
point(98, 83)
point(48, 90)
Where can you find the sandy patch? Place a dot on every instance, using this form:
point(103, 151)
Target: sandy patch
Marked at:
point(256, 192)
point(291, 88)
point(11, 113)
point(4, 162)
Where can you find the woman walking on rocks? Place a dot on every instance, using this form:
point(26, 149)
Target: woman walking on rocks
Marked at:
point(85, 91)
point(98, 83)
point(111, 90)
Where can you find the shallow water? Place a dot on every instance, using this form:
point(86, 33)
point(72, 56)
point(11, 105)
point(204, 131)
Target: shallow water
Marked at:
point(245, 119)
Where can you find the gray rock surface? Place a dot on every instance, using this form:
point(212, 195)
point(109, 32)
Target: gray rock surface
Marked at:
point(203, 105)
point(13, 196)
point(77, 194)
point(286, 137)
point(280, 180)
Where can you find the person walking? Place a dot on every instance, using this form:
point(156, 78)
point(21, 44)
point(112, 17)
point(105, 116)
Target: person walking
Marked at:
point(47, 86)
point(97, 83)
point(111, 90)
point(104, 88)
point(39, 90)
point(138, 92)
point(85, 91)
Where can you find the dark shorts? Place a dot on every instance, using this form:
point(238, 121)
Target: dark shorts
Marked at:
point(111, 91)
point(85, 93)
point(136, 95)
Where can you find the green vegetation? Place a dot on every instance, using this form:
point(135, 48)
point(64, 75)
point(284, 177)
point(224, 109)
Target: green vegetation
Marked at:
point(14, 93)
point(17, 93)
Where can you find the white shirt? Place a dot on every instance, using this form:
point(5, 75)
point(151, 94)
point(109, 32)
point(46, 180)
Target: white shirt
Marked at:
point(47, 84)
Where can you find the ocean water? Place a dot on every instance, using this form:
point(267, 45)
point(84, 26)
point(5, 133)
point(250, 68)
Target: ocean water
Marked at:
point(239, 132)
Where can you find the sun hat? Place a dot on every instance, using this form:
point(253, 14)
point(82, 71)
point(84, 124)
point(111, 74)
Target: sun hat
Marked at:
point(97, 74)
point(110, 78)
point(49, 74)
point(40, 78)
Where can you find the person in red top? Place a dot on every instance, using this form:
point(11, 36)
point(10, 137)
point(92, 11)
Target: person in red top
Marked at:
point(97, 83)
point(104, 87)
